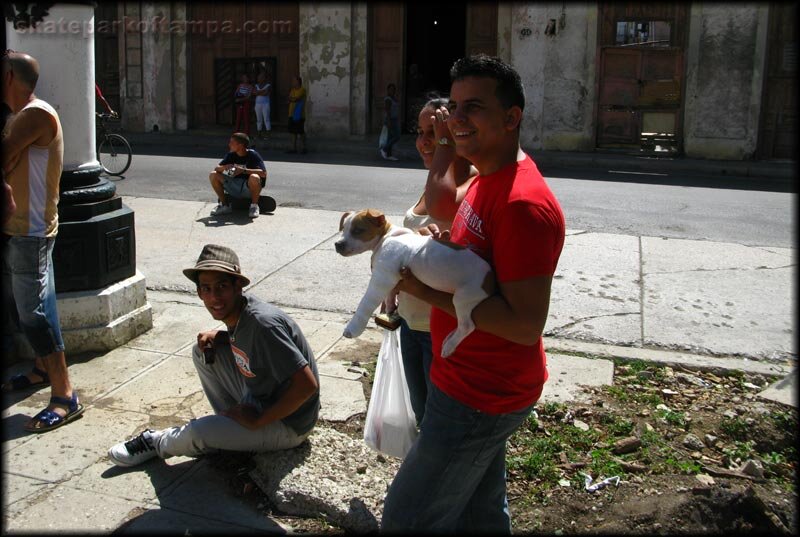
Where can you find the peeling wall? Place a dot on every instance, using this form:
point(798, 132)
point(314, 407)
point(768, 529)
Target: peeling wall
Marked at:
point(325, 65)
point(558, 72)
point(130, 67)
point(358, 72)
point(724, 77)
point(157, 70)
point(504, 26)
point(153, 78)
point(179, 70)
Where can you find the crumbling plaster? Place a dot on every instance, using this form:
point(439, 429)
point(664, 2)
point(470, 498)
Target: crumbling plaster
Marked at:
point(557, 71)
point(724, 78)
point(330, 69)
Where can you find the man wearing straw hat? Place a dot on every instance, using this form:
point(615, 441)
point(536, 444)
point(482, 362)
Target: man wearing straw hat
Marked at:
point(260, 375)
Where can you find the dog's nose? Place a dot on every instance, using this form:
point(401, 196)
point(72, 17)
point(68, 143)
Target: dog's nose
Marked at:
point(339, 245)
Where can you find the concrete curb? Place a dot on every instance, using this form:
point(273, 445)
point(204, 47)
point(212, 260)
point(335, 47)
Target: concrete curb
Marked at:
point(713, 364)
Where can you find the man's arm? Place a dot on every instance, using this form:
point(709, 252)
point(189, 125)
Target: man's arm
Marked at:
point(9, 205)
point(99, 95)
point(258, 171)
point(443, 195)
point(32, 126)
point(518, 313)
point(302, 385)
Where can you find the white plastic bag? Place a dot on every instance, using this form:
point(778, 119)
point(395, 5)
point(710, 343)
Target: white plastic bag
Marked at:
point(383, 137)
point(391, 426)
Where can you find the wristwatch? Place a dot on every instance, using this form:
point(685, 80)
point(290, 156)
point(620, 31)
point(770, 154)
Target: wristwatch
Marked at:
point(444, 140)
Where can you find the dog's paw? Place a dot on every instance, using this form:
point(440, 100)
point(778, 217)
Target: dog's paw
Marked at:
point(352, 331)
point(447, 350)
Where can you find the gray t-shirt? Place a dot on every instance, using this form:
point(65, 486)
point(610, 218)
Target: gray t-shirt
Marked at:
point(268, 348)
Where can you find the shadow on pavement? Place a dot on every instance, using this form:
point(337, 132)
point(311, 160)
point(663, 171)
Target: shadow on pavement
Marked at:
point(232, 219)
point(195, 497)
point(727, 182)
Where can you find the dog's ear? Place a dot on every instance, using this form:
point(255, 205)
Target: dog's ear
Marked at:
point(375, 217)
point(341, 222)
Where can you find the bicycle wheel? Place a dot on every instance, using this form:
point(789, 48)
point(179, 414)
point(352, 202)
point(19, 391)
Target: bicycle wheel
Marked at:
point(114, 154)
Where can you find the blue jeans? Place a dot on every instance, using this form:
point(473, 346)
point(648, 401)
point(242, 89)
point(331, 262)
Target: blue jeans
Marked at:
point(415, 346)
point(236, 187)
point(453, 479)
point(29, 292)
point(394, 135)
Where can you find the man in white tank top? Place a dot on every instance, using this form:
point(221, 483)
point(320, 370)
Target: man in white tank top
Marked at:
point(32, 164)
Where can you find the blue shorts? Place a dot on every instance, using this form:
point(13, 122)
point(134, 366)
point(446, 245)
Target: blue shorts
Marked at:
point(236, 187)
point(29, 292)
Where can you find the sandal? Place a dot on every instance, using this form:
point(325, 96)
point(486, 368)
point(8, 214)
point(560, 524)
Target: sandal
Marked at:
point(22, 382)
point(50, 419)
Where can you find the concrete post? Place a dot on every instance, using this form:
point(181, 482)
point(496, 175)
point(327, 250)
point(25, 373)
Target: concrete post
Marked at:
point(66, 61)
point(101, 297)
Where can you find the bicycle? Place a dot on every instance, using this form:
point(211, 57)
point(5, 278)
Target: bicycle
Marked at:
point(113, 150)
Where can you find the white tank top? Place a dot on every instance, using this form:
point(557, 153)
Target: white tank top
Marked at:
point(35, 183)
point(414, 311)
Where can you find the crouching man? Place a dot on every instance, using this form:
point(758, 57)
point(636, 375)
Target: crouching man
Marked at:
point(260, 375)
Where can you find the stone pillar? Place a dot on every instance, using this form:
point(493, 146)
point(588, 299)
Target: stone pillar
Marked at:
point(101, 297)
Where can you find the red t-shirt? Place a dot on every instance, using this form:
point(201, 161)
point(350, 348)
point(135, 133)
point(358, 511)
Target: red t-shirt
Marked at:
point(512, 220)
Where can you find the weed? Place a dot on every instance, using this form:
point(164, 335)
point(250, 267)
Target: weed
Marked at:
point(682, 465)
point(616, 426)
point(783, 420)
point(370, 368)
point(774, 458)
point(740, 450)
point(619, 393)
point(603, 464)
point(637, 366)
point(650, 399)
point(673, 418)
point(551, 408)
point(735, 428)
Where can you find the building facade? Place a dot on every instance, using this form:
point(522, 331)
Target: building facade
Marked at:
point(704, 80)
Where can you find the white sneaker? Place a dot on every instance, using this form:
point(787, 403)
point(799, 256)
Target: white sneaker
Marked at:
point(221, 209)
point(134, 451)
point(391, 157)
point(254, 211)
point(384, 155)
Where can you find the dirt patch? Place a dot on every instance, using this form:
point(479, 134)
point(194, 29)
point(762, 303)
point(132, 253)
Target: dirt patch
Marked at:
point(695, 453)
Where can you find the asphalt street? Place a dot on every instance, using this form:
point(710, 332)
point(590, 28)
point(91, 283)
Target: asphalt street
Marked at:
point(606, 201)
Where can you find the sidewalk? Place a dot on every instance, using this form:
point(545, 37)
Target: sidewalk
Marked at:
point(778, 174)
point(695, 303)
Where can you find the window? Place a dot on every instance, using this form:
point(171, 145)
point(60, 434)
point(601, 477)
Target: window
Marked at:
point(643, 33)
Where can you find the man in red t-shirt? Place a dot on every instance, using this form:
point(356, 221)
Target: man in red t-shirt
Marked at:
point(453, 479)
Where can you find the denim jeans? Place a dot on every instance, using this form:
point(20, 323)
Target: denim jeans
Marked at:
point(453, 479)
point(394, 135)
point(29, 292)
point(415, 346)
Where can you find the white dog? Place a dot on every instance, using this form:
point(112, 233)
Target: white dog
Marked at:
point(441, 265)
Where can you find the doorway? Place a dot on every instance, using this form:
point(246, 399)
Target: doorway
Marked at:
point(106, 55)
point(641, 76)
point(778, 129)
point(435, 38)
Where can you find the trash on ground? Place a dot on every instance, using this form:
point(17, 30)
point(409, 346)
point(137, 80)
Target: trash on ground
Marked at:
point(600, 484)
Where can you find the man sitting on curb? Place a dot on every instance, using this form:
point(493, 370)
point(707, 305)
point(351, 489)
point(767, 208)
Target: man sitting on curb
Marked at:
point(260, 376)
point(239, 175)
